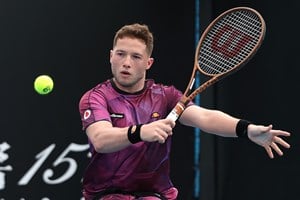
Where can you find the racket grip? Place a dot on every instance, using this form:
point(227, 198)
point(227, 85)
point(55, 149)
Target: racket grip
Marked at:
point(176, 111)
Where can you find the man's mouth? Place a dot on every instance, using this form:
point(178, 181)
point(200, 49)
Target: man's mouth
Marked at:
point(125, 72)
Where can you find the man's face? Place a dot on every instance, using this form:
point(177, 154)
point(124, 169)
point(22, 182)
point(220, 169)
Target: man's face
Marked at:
point(129, 63)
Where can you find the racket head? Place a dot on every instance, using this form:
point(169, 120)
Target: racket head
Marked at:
point(230, 41)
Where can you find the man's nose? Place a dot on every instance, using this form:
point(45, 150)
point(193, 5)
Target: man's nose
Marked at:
point(127, 61)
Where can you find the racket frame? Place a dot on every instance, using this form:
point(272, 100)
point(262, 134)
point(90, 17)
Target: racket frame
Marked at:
point(189, 93)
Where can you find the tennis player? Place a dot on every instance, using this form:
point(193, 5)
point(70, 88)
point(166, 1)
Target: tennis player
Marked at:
point(125, 121)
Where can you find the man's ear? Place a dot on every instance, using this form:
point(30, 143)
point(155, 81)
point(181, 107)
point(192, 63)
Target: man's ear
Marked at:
point(149, 63)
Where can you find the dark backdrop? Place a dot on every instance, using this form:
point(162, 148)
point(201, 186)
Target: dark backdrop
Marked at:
point(265, 91)
point(43, 151)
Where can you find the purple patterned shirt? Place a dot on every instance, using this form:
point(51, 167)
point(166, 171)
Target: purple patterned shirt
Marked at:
point(143, 166)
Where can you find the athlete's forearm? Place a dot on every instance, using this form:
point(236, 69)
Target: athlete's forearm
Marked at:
point(107, 139)
point(210, 121)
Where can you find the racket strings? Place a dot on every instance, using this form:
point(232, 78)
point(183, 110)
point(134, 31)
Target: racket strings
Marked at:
point(229, 42)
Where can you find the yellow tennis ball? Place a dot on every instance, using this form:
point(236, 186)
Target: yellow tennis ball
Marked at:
point(43, 84)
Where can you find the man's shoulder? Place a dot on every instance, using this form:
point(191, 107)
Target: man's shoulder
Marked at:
point(151, 84)
point(97, 89)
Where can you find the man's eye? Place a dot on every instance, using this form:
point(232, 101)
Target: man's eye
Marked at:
point(136, 57)
point(120, 54)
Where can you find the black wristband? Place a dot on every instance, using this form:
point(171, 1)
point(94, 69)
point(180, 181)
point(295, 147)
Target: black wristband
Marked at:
point(134, 136)
point(242, 128)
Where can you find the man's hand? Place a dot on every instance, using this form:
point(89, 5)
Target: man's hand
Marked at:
point(268, 138)
point(157, 131)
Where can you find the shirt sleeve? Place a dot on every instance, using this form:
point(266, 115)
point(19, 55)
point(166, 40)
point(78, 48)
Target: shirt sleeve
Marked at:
point(93, 108)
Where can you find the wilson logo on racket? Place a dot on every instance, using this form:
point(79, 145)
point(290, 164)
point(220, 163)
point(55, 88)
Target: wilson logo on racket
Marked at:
point(229, 41)
point(225, 46)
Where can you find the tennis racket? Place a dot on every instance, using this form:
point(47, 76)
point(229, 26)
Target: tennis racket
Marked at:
point(225, 46)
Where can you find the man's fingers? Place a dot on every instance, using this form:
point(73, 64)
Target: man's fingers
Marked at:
point(276, 148)
point(162, 136)
point(280, 141)
point(170, 122)
point(161, 140)
point(280, 133)
point(269, 151)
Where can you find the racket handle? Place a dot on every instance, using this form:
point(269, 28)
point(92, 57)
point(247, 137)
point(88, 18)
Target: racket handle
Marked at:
point(176, 111)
